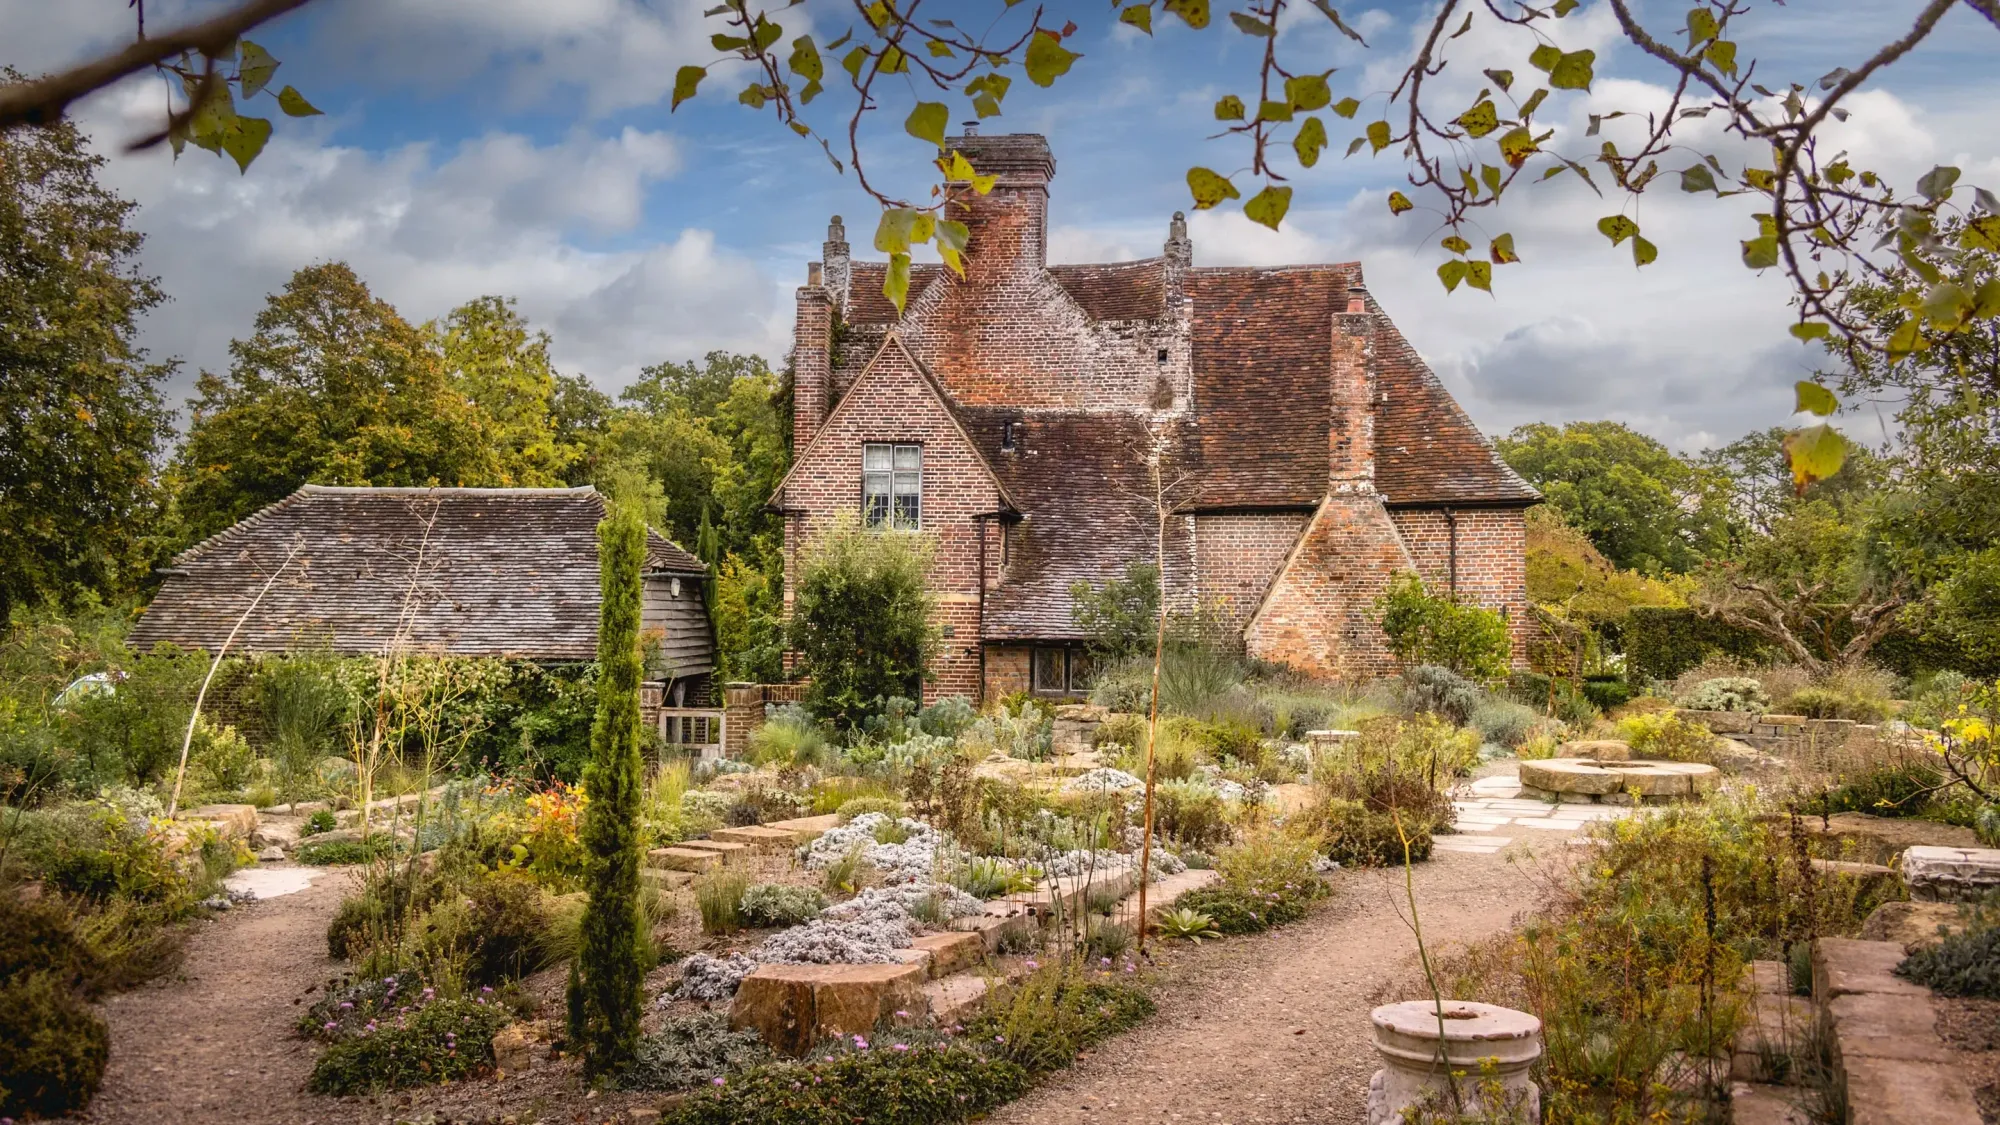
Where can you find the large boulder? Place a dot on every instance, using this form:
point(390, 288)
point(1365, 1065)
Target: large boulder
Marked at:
point(1597, 749)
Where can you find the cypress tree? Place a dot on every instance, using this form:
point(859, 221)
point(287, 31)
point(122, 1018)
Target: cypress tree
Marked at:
point(605, 981)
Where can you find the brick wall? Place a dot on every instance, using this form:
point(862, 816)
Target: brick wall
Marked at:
point(1319, 617)
point(743, 711)
point(1007, 670)
point(894, 402)
point(1491, 561)
point(1237, 557)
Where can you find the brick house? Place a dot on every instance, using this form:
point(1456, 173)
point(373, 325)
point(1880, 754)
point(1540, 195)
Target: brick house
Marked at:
point(1032, 418)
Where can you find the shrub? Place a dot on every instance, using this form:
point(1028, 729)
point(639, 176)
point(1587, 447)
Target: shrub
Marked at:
point(692, 1051)
point(1961, 964)
point(1432, 690)
point(861, 620)
point(1885, 789)
point(1194, 676)
point(788, 738)
point(1423, 628)
point(53, 1047)
point(1190, 813)
point(340, 853)
point(1505, 722)
point(925, 1085)
point(39, 936)
point(1122, 616)
point(1727, 693)
point(769, 905)
point(349, 1006)
point(1399, 765)
point(890, 807)
point(442, 1041)
point(509, 928)
point(987, 877)
point(321, 820)
point(1357, 836)
point(1057, 1011)
point(1267, 880)
point(1666, 736)
point(719, 895)
point(1606, 692)
point(304, 702)
point(948, 717)
point(1832, 703)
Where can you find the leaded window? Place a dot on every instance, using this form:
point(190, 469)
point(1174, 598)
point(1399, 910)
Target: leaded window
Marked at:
point(892, 485)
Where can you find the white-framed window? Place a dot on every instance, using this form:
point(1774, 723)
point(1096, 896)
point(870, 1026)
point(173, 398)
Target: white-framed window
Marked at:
point(892, 485)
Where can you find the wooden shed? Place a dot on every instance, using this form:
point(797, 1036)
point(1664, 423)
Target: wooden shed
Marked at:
point(499, 572)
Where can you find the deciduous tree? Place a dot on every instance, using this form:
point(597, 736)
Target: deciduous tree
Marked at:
point(1645, 508)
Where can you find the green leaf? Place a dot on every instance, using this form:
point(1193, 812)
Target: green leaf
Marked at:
point(927, 122)
point(1268, 207)
point(894, 61)
point(951, 239)
point(1815, 453)
point(1378, 135)
point(1139, 16)
point(1194, 13)
point(1455, 244)
point(1982, 233)
point(1492, 178)
point(1617, 228)
point(1249, 26)
point(1333, 14)
point(1310, 140)
point(896, 281)
point(805, 61)
point(1545, 57)
point(1451, 273)
point(1274, 111)
point(1354, 145)
point(1479, 275)
point(1761, 253)
point(1501, 78)
point(1481, 119)
point(1906, 339)
point(727, 43)
point(1308, 92)
point(1697, 178)
point(1813, 397)
point(256, 69)
point(244, 138)
point(685, 81)
point(211, 117)
point(1573, 71)
point(1229, 107)
point(853, 62)
point(1701, 27)
point(1936, 184)
point(1810, 330)
point(892, 231)
point(1399, 203)
point(1721, 54)
point(1946, 303)
point(1565, 7)
point(1047, 59)
point(1502, 251)
point(1210, 188)
point(1644, 253)
point(1517, 145)
point(1534, 102)
point(1346, 107)
point(754, 95)
point(941, 50)
point(295, 104)
point(765, 32)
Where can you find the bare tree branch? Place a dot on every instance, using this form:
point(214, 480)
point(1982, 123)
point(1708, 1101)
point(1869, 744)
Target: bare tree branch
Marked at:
point(44, 101)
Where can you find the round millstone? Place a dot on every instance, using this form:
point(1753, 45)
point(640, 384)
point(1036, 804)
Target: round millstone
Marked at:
point(1652, 780)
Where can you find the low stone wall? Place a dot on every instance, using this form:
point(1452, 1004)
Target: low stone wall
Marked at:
point(1786, 732)
point(743, 707)
point(1883, 1038)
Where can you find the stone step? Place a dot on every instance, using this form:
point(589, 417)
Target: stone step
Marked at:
point(757, 837)
point(1753, 1104)
point(951, 952)
point(663, 879)
point(683, 859)
point(794, 1006)
point(723, 848)
point(955, 999)
point(807, 828)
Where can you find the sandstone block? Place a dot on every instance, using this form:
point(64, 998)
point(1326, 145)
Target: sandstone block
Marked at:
point(730, 852)
point(1752, 1104)
point(1878, 1025)
point(234, 822)
point(1873, 877)
point(1936, 874)
point(683, 859)
point(756, 837)
point(952, 951)
point(1721, 722)
point(1845, 966)
point(1911, 925)
point(1598, 749)
point(1894, 1092)
point(806, 828)
point(956, 999)
point(777, 1005)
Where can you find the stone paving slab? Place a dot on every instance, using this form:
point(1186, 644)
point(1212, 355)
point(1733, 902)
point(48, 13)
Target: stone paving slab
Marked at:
point(1484, 845)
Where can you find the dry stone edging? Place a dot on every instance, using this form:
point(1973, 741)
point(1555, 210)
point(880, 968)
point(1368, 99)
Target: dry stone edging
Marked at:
point(1884, 1041)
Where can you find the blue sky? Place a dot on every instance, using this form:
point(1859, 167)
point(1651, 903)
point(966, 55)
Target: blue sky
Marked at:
point(523, 147)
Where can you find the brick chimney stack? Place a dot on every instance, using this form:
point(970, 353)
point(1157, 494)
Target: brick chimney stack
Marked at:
point(1009, 226)
point(834, 255)
point(1351, 395)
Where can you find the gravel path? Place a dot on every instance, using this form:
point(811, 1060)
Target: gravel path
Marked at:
point(214, 1042)
point(1274, 1028)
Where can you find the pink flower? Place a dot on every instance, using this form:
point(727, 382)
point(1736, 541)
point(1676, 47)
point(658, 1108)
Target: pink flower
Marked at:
point(718, 1082)
point(901, 1047)
point(902, 1015)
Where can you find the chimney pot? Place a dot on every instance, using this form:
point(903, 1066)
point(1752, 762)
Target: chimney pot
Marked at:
point(812, 273)
point(1357, 299)
point(971, 128)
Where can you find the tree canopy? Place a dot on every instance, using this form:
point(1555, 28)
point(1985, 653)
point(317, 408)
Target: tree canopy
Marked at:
point(81, 415)
point(1643, 507)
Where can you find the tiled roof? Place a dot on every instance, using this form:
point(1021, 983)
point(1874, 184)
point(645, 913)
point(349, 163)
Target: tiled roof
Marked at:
point(1117, 291)
point(1082, 480)
point(865, 302)
point(1427, 452)
point(470, 571)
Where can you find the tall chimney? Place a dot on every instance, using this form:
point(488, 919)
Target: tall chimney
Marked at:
point(812, 363)
point(834, 255)
point(1351, 398)
point(1008, 226)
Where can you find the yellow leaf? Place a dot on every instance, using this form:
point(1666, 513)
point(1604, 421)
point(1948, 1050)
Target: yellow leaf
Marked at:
point(1399, 203)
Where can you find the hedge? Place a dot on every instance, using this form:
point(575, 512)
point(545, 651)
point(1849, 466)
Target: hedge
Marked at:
point(1661, 643)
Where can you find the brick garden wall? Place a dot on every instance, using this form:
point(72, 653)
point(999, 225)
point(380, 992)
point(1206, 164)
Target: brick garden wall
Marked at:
point(1492, 561)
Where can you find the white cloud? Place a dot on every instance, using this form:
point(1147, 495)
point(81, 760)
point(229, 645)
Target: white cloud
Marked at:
point(429, 228)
